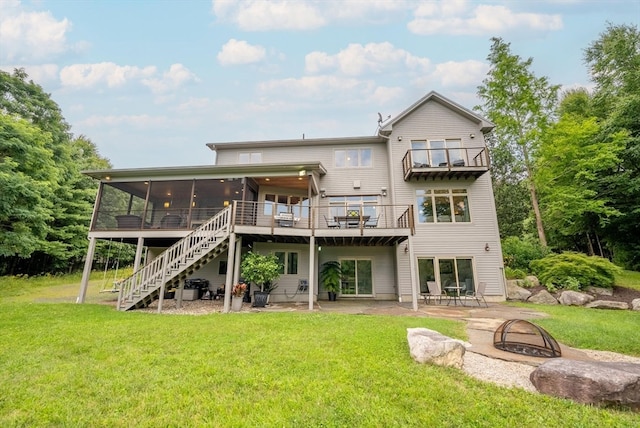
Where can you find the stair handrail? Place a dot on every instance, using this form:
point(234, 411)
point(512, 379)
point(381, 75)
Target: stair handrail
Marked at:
point(215, 227)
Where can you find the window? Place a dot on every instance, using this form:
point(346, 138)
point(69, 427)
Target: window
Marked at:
point(342, 205)
point(288, 262)
point(353, 158)
point(222, 268)
point(277, 204)
point(427, 153)
point(250, 157)
point(357, 279)
point(450, 272)
point(443, 206)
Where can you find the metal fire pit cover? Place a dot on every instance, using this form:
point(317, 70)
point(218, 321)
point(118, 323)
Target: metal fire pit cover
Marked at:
point(523, 337)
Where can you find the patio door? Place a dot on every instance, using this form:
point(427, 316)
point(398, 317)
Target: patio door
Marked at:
point(358, 278)
point(449, 272)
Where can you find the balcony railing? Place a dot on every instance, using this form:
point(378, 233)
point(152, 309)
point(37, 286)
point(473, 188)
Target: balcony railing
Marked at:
point(451, 162)
point(351, 218)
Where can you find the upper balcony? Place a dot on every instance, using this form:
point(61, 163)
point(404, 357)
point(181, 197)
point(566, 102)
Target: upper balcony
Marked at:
point(430, 164)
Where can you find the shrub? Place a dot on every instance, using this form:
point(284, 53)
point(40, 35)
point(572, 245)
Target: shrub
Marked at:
point(512, 273)
point(574, 271)
point(519, 252)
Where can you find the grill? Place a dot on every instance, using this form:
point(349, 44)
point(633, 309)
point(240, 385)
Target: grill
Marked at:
point(523, 337)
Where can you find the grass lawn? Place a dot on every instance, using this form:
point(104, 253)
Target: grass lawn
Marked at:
point(629, 279)
point(63, 364)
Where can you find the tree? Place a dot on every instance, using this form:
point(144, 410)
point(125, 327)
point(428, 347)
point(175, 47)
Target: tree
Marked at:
point(614, 63)
point(572, 160)
point(28, 180)
point(521, 105)
point(69, 205)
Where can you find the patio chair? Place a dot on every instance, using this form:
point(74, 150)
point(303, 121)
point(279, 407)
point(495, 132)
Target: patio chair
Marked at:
point(434, 292)
point(170, 221)
point(478, 294)
point(372, 222)
point(332, 224)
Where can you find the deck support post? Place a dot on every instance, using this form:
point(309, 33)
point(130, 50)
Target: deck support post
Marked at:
point(414, 278)
point(312, 269)
point(88, 263)
point(231, 262)
point(136, 261)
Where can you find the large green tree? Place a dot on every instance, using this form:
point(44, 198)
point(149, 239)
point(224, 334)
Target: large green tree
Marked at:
point(614, 63)
point(68, 205)
point(572, 160)
point(522, 107)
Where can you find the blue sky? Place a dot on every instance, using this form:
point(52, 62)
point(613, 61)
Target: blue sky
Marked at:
point(152, 82)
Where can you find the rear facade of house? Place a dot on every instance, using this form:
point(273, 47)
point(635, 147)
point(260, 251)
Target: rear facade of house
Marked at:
point(409, 206)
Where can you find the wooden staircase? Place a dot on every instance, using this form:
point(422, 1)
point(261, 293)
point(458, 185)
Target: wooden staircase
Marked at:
point(176, 263)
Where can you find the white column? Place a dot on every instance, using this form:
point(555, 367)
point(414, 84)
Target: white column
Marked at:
point(88, 263)
point(231, 254)
point(414, 278)
point(136, 261)
point(312, 269)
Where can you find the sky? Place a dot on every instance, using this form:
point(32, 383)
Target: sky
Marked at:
point(150, 83)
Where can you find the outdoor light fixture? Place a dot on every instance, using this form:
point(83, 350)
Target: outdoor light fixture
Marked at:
point(225, 203)
point(167, 204)
point(406, 248)
point(486, 247)
point(323, 193)
point(302, 173)
point(384, 191)
point(472, 135)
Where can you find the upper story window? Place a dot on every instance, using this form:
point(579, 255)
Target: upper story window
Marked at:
point(250, 157)
point(277, 204)
point(443, 206)
point(360, 205)
point(353, 158)
point(433, 153)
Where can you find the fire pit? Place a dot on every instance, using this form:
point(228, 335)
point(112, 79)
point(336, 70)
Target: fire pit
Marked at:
point(523, 337)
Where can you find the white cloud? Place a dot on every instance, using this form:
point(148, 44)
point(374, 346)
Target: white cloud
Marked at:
point(30, 36)
point(460, 74)
point(177, 76)
point(260, 15)
point(113, 75)
point(458, 17)
point(193, 104)
point(359, 59)
point(236, 52)
point(40, 74)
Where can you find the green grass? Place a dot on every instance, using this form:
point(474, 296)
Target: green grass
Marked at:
point(629, 279)
point(601, 329)
point(87, 365)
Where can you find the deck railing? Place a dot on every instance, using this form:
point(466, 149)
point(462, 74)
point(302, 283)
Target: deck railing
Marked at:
point(451, 158)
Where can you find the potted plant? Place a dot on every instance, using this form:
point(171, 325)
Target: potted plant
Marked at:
point(332, 278)
point(237, 294)
point(262, 270)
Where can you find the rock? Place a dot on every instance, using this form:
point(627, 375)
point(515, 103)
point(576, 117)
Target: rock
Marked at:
point(574, 298)
point(607, 304)
point(533, 280)
point(543, 297)
point(515, 292)
point(635, 304)
point(429, 346)
point(600, 291)
point(590, 382)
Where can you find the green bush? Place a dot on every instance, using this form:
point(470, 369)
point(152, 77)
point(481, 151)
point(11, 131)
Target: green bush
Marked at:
point(512, 273)
point(519, 252)
point(574, 271)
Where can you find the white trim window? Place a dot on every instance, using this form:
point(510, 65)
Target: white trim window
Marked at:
point(448, 272)
point(277, 204)
point(433, 153)
point(443, 206)
point(353, 158)
point(343, 205)
point(250, 157)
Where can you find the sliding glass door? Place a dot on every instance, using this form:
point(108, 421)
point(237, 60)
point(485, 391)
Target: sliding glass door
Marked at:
point(358, 278)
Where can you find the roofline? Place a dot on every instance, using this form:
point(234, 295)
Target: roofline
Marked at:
point(296, 143)
point(204, 171)
point(486, 125)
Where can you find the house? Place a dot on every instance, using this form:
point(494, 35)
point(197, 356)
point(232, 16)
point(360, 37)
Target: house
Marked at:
point(402, 209)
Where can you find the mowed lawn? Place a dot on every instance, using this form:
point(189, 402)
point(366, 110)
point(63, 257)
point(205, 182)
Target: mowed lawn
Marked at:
point(63, 364)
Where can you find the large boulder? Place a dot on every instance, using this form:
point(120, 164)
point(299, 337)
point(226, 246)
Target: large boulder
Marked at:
point(533, 280)
point(590, 382)
point(600, 291)
point(635, 304)
point(607, 304)
point(574, 298)
point(429, 346)
point(515, 292)
point(543, 297)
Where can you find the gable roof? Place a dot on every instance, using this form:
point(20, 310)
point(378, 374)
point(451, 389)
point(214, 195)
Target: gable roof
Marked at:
point(485, 125)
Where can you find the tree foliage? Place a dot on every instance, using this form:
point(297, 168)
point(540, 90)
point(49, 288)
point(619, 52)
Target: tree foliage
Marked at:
point(522, 106)
point(260, 269)
point(41, 161)
point(569, 269)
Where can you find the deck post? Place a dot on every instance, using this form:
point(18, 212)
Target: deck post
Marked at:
point(231, 262)
point(312, 269)
point(414, 279)
point(136, 261)
point(88, 263)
